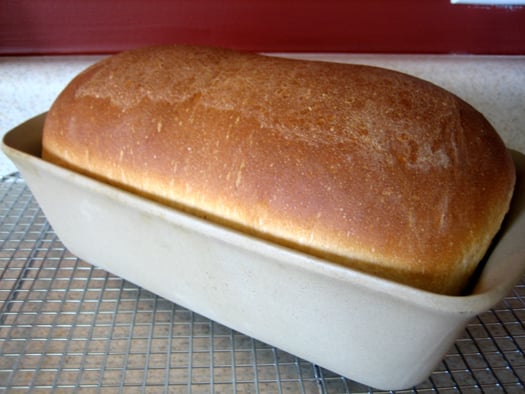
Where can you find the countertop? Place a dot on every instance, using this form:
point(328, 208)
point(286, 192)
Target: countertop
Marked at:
point(112, 335)
point(495, 85)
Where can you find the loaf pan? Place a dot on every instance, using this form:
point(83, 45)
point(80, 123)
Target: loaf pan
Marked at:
point(380, 333)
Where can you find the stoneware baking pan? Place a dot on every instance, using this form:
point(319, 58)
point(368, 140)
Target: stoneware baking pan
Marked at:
point(371, 330)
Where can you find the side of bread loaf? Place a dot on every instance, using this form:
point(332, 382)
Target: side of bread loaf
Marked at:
point(366, 167)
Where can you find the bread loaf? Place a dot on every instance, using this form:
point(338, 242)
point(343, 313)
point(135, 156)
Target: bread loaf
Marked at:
point(365, 167)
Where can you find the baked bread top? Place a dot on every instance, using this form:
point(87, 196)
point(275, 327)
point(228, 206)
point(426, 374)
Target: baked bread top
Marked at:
point(366, 167)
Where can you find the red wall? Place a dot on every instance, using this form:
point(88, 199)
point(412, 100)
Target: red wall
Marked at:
point(404, 26)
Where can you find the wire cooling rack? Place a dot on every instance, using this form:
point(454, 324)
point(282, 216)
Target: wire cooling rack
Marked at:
point(67, 326)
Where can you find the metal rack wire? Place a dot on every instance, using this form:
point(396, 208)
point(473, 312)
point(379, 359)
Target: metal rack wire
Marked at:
point(68, 326)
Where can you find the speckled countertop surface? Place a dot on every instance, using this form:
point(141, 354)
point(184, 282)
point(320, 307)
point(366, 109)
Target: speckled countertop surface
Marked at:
point(495, 85)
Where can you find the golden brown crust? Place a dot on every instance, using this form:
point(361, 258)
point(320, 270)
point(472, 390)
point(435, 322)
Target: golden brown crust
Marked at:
point(370, 168)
